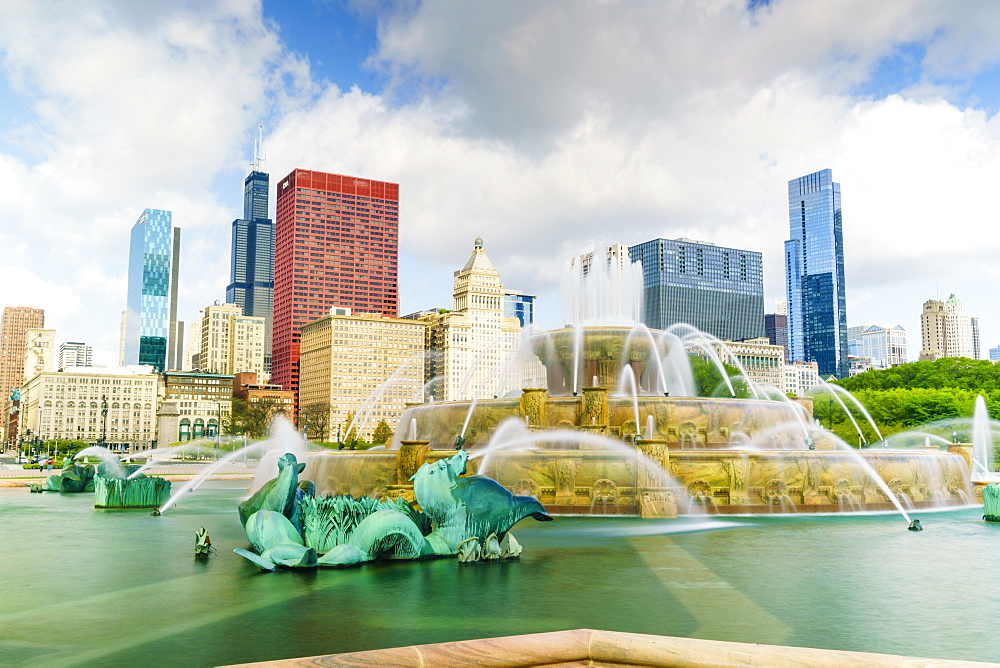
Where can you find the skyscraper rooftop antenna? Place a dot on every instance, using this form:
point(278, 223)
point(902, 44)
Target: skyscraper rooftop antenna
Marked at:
point(259, 157)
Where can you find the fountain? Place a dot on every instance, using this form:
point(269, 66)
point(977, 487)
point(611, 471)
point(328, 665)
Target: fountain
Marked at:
point(725, 455)
point(114, 485)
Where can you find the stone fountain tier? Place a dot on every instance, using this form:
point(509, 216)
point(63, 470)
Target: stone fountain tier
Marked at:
point(698, 422)
point(593, 481)
point(574, 357)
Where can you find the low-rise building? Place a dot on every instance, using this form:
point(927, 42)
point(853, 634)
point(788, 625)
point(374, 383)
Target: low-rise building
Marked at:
point(763, 361)
point(246, 388)
point(195, 405)
point(885, 346)
point(800, 377)
point(111, 406)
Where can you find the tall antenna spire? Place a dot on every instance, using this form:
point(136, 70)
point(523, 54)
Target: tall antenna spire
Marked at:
point(258, 150)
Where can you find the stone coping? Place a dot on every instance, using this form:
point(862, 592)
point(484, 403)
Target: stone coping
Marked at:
point(586, 647)
point(175, 477)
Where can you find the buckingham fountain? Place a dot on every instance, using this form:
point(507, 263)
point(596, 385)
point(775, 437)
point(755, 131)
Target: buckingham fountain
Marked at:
point(603, 417)
point(621, 444)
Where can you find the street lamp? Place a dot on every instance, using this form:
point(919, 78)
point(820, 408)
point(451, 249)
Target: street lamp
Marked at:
point(104, 418)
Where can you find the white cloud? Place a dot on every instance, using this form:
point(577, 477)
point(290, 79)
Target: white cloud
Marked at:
point(134, 106)
point(542, 127)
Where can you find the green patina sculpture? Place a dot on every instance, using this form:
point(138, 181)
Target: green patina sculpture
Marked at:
point(73, 478)
point(112, 486)
point(991, 502)
point(142, 491)
point(469, 516)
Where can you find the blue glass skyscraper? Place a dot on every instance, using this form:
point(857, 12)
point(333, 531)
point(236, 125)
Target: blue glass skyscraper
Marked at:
point(814, 274)
point(718, 290)
point(251, 274)
point(520, 306)
point(147, 318)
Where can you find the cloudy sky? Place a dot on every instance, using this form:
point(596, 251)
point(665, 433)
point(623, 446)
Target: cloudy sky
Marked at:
point(545, 127)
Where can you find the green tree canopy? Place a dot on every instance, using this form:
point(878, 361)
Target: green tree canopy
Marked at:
point(709, 382)
point(253, 417)
point(948, 372)
point(382, 433)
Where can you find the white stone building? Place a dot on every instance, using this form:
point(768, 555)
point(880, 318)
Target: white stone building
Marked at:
point(115, 406)
point(39, 351)
point(468, 346)
point(800, 377)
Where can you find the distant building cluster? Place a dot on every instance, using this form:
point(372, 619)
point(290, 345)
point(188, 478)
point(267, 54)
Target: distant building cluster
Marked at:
point(310, 322)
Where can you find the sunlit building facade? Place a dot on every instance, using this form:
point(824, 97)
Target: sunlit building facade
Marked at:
point(468, 346)
point(946, 330)
point(112, 406)
point(75, 353)
point(885, 346)
point(814, 274)
point(14, 325)
point(364, 364)
point(336, 244)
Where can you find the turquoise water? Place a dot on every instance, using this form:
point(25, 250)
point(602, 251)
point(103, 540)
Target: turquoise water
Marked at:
point(99, 588)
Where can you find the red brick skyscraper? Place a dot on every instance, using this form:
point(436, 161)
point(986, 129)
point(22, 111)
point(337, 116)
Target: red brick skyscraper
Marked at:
point(14, 324)
point(336, 243)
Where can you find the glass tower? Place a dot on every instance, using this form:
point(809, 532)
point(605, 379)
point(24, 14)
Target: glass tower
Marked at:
point(814, 274)
point(520, 306)
point(147, 316)
point(718, 290)
point(251, 273)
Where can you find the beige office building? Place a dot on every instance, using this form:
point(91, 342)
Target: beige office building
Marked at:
point(469, 346)
point(228, 342)
point(344, 358)
point(946, 330)
point(115, 406)
point(39, 351)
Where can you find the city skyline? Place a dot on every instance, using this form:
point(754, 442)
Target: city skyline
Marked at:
point(548, 148)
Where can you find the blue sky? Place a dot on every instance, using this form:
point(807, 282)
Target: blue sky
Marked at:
point(548, 128)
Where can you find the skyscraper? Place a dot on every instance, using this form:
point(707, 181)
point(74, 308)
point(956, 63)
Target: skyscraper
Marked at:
point(148, 316)
point(718, 290)
point(776, 330)
point(251, 273)
point(228, 341)
point(14, 325)
point(175, 332)
point(336, 244)
point(75, 353)
point(946, 330)
point(814, 274)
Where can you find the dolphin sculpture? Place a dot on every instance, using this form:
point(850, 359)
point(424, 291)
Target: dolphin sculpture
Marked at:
point(468, 515)
point(474, 505)
point(278, 494)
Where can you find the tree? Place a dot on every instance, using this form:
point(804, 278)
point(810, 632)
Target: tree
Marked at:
point(709, 382)
point(315, 418)
point(349, 429)
point(382, 433)
point(253, 417)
